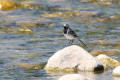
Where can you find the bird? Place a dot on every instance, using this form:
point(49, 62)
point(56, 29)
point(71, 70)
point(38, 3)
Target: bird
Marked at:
point(71, 35)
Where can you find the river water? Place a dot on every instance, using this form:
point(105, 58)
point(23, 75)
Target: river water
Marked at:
point(32, 33)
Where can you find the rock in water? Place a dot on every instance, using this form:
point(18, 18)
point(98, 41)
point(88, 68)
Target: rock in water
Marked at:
point(73, 58)
point(108, 61)
point(8, 4)
point(73, 77)
point(116, 71)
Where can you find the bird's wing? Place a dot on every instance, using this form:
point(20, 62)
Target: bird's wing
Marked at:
point(72, 33)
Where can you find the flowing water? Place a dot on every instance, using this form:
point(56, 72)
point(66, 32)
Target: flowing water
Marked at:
point(32, 33)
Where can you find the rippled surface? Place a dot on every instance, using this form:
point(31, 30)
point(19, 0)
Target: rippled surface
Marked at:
point(31, 33)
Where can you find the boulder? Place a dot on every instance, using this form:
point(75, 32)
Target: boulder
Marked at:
point(73, 77)
point(108, 61)
point(73, 58)
point(116, 71)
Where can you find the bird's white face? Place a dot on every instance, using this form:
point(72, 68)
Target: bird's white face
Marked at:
point(64, 24)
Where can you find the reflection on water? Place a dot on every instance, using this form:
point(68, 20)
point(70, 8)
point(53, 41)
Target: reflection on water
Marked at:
point(31, 31)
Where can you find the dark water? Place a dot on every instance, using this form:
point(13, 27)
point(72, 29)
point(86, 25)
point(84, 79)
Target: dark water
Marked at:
point(46, 36)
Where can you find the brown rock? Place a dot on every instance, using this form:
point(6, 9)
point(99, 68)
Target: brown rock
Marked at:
point(31, 65)
point(104, 52)
point(8, 4)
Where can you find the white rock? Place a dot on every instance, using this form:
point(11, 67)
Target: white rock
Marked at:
point(116, 78)
point(72, 57)
point(116, 71)
point(0, 6)
point(73, 77)
point(108, 60)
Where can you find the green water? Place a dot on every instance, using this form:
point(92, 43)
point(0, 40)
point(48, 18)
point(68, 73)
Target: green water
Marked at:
point(46, 35)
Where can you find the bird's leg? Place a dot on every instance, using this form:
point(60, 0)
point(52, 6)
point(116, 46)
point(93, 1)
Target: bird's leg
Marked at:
point(70, 42)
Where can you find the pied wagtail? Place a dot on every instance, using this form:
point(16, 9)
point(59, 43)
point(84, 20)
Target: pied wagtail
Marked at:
point(71, 35)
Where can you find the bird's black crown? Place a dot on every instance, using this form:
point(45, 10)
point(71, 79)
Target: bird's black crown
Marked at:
point(66, 26)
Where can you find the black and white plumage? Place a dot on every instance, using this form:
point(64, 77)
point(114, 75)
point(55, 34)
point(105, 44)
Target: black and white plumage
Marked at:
point(71, 35)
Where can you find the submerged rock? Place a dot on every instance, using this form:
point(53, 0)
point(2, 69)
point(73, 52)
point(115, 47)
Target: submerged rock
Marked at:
point(32, 65)
point(116, 71)
point(71, 14)
point(73, 58)
point(117, 16)
point(108, 61)
point(117, 45)
point(73, 77)
point(102, 42)
point(8, 4)
point(98, 52)
point(24, 30)
point(104, 2)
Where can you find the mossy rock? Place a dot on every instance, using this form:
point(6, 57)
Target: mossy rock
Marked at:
point(69, 70)
point(102, 42)
point(8, 4)
point(108, 60)
point(115, 16)
point(31, 6)
point(104, 52)
point(32, 65)
point(27, 24)
point(70, 14)
point(104, 2)
point(24, 30)
point(117, 45)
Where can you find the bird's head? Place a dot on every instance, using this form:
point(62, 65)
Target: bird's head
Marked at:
point(66, 26)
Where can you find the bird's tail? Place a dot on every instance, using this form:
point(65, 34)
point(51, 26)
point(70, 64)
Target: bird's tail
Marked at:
point(83, 43)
